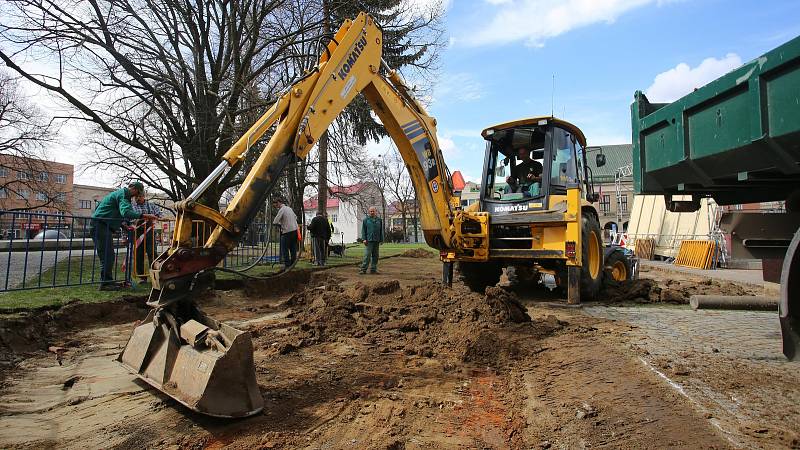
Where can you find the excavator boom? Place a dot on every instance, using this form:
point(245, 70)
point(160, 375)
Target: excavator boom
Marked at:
point(208, 366)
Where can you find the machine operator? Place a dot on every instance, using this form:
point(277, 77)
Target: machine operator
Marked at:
point(526, 177)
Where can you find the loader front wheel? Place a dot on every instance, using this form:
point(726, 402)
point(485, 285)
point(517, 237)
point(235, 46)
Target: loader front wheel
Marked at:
point(591, 258)
point(478, 275)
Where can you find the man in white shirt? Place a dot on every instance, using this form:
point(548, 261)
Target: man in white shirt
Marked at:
point(287, 221)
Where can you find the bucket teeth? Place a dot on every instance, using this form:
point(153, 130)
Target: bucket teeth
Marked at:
point(206, 366)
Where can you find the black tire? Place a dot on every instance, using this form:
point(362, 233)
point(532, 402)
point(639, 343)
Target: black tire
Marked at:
point(789, 308)
point(591, 283)
point(478, 275)
point(617, 268)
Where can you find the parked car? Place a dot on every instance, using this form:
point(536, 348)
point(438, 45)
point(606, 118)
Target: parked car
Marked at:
point(49, 234)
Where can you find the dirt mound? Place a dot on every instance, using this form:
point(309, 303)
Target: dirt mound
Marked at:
point(417, 253)
point(672, 291)
point(425, 320)
point(283, 284)
point(36, 329)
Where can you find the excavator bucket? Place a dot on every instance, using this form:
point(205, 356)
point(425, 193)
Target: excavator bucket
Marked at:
point(206, 366)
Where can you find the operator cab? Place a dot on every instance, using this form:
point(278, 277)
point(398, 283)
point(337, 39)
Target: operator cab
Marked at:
point(527, 161)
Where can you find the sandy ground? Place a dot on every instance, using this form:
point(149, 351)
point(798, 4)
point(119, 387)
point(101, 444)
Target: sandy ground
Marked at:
point(394, 361)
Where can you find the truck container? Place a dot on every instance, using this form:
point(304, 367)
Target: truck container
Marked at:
point(736, 140)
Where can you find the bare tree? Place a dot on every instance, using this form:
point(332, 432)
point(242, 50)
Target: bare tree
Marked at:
point(166, 84)
point(399, 188)
point(25, 180)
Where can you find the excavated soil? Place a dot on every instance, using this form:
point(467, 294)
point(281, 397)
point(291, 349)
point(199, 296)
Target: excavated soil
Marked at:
point(417, 253)
point(659, 287)
point(26, 332)
point(371, 361)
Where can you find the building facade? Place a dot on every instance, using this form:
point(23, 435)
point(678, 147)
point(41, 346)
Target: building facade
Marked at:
point(616, 198)
point(86, 198)
point(35, 193)
point(346, 208)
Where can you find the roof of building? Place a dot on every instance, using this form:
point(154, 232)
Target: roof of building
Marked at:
point(617, 156)
point(336, 193)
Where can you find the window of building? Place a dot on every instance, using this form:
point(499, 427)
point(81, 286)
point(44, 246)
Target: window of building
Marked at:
point(44, 176)
point(24, 176)
point(3, 172)
point(24, 193)
point(3, 193)
point(605, 203)
point(61, 196)
point(22, 216)
point(334, 217)
point(85, 204)
point(60, 178)
point(41, 196)
point(623, 203)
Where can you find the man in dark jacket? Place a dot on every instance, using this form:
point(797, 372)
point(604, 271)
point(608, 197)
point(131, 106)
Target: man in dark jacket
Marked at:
point(372, 234)
point(107, 218)
point(320, 234)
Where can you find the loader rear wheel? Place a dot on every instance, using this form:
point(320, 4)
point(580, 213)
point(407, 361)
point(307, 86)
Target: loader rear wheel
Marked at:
point(478, 275)
point(591, 258)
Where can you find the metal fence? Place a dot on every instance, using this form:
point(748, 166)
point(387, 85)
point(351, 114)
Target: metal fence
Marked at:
point(55, 250)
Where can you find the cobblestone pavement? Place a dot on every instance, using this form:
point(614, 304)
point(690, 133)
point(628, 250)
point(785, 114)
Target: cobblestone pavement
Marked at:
point(728, 363)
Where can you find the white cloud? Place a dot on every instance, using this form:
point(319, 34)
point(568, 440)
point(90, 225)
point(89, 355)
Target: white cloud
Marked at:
point(457, 87)
point(534, 21)
point(448, 147)
point(680, 80)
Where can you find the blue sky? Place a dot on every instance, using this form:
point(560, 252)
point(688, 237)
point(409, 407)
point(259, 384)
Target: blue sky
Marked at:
point(502, 57)
point(503, 54)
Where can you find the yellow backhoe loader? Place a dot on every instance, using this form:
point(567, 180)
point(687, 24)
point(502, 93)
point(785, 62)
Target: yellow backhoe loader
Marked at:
point(537, 223)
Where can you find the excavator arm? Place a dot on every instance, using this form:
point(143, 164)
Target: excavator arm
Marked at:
point(208, 366)
point(351, 64)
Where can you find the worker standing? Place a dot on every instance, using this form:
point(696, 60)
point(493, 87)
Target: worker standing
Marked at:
point(287, 221)
point(320, 233)
point(107, 219)
point(372, 235)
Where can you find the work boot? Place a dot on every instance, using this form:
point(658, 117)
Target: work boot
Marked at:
point(373, 272)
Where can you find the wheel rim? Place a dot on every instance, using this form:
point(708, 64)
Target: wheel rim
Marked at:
point(619, 272)
point(594, 256)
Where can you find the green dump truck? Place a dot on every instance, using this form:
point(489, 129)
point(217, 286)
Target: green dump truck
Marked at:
point(736, 140)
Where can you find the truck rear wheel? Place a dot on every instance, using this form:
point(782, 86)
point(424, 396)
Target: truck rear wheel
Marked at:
point(789, 310)
point(478, 275)
point(591, 258)
point(617, 268)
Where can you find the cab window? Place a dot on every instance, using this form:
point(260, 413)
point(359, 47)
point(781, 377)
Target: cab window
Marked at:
point(563, 169)
point(515, 161)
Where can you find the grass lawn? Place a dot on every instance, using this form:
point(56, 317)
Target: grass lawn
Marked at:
point(90, 294)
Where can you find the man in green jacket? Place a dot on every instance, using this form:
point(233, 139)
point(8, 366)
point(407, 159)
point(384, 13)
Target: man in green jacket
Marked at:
point(372, 234)
point(107, 219)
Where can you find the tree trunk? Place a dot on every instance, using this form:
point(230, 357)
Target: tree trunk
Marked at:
point(405, 226)
point(322, 183)
point(322, 145)
point(416, 231)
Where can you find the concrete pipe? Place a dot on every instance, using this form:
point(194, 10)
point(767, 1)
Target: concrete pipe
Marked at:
point(734, 302)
